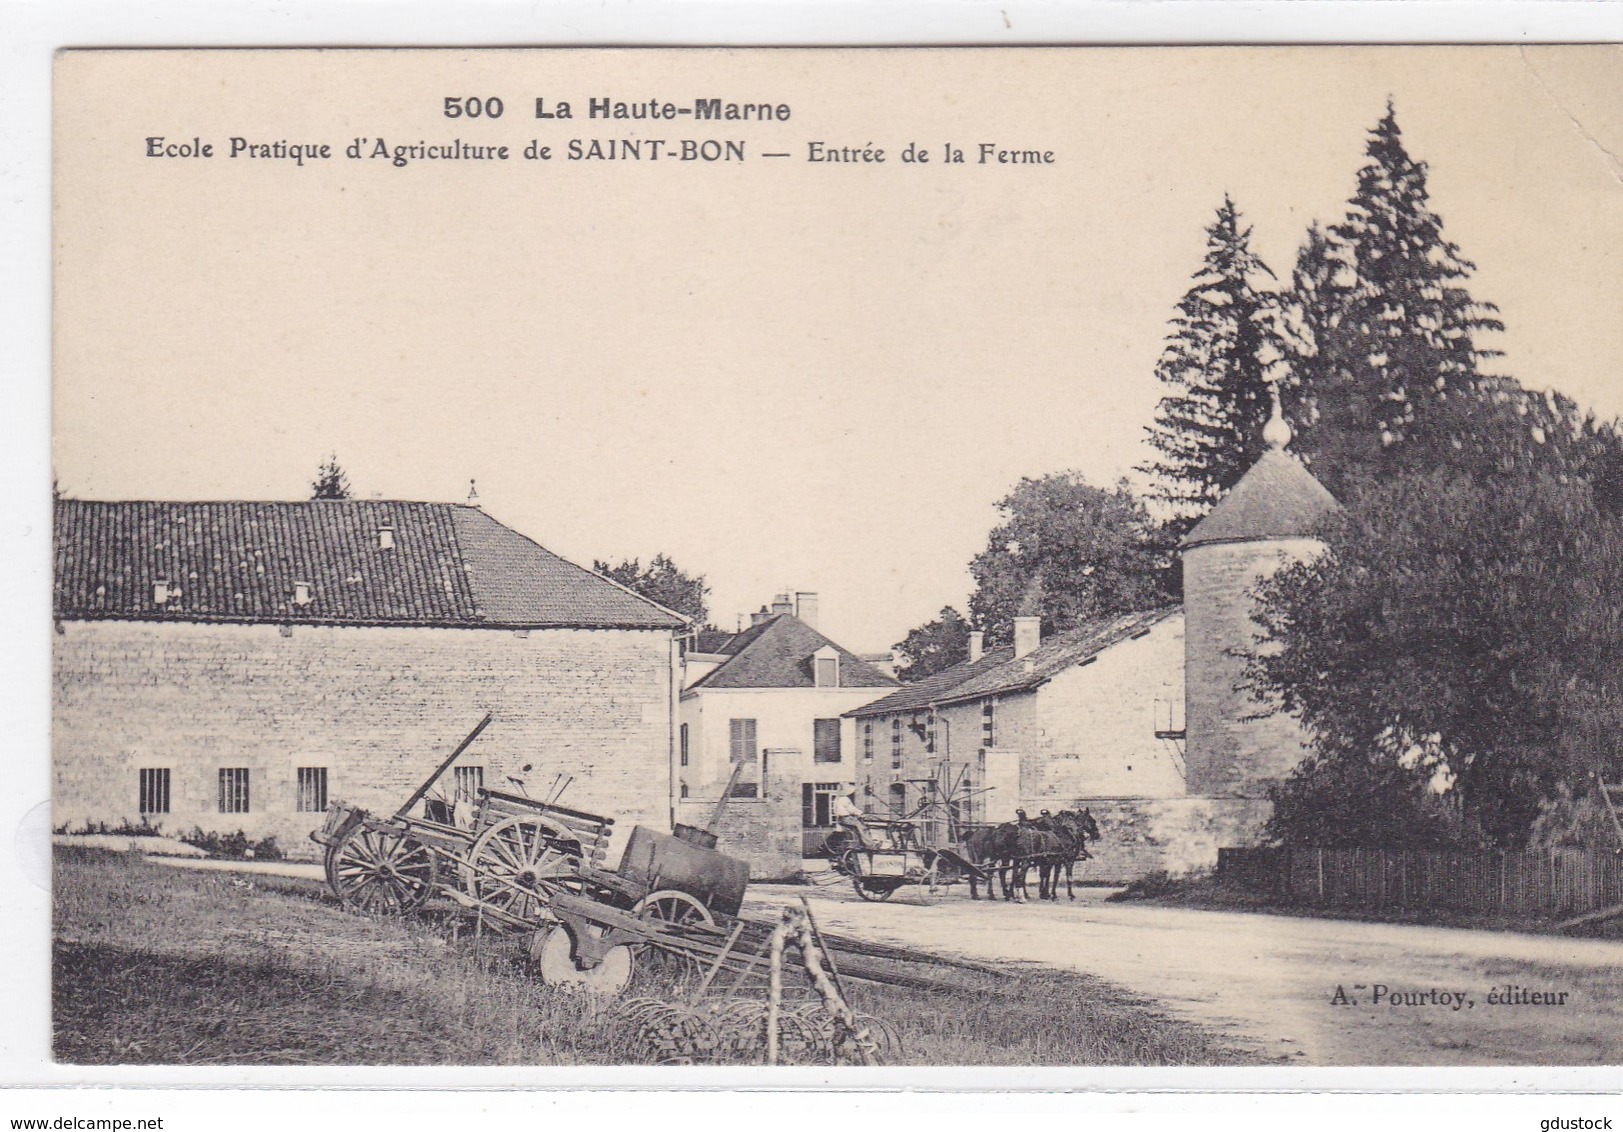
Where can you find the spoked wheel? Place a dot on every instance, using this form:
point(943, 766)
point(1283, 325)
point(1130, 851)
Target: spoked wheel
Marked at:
point(380, 871)
point(669, 906)
point(517, 863)
point(876, 888)
point(554, 955)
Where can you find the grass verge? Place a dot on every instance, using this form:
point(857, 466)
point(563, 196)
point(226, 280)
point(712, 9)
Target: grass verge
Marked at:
point(156, 965)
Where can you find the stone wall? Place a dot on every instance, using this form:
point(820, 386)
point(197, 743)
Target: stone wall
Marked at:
point(763, 831)
point(1236, 746)
point(378, 707)
point(1139, 836)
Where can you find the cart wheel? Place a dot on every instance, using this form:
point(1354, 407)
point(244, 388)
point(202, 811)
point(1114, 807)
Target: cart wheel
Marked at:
point(381, 871)
point(558, 968)
point(517, 863)
point(868, 889)
point(673, 907)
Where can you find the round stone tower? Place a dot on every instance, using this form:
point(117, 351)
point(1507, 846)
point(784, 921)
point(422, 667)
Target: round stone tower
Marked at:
point(1235, 746)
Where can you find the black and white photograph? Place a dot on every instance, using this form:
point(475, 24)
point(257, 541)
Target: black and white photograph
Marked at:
point(855, 559)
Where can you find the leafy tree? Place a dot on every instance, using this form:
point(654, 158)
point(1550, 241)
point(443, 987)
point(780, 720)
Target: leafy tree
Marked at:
point(664, 582)
point(1385, 334)
point(1219, 359)
point(1461, 638)
point(934, 646)
point(1085, 551)
point(330, 481)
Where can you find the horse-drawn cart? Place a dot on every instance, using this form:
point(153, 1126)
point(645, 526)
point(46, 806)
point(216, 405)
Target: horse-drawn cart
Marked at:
point(881, 857)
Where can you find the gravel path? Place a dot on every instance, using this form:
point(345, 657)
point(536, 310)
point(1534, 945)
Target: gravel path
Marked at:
point(1268, 983)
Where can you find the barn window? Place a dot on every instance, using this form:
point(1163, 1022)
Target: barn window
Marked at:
point(896, 743)
point(233, 790)
point(867, 740)
point(825, 740)
point(312, 789)
point(989, 722)
point(468, 781)
point(684, 744)
point(154, 789)
point(929, 732)
point(898, 799)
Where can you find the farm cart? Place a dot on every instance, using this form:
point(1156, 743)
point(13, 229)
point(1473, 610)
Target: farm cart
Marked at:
point(885, 859)
point(517, 864)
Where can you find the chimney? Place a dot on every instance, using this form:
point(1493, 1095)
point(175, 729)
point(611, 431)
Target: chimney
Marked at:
point(759, 616)
point(977, 645)
point(781, 604)
point(1028, 634)
point(385, 538)
point(301, 593)
point(806, 608)
point(160, 592)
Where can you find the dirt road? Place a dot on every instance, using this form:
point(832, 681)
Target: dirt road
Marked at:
point(1269, 983)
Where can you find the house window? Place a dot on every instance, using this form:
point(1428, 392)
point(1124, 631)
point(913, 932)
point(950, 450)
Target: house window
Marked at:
point(817, 804)
point(233, 790)
point(988, 723)
point(743, 751)
point(825, 741)
point(896, 743)
point(468, 781)
point(828, 671)
point(898, 799)
point(154, 784)
point(867, 740)
point(929, 732)
point(312, 789)
point(684, 744)
point(684, 790)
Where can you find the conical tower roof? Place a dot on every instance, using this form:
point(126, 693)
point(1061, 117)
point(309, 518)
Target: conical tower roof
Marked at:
point(1277, 498)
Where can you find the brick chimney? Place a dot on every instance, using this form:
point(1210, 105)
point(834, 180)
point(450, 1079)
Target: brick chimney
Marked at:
point(1028, 634)
point(759, 616)
point(806, 608)
point(977, 645)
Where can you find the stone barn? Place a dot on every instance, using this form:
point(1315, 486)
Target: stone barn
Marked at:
point(1144, 717)
point(235, 666)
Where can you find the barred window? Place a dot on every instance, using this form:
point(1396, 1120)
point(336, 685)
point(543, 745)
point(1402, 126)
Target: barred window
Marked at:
point(989, 722)
point(312, 789)
point(896, 743)
point(867, 740)
point(233, 790)
point(929, 732)
point(154, 790)
point(468, 780)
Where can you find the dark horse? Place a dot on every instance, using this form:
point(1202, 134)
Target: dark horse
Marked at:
point(1009, 850)
point(1072, 829)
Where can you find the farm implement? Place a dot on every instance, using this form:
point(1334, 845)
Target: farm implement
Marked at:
point(518, 866)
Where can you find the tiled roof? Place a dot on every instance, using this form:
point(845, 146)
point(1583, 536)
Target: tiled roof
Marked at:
point(1000, 671)
point(450, 565)
point(1277, 498)
point(777, 653)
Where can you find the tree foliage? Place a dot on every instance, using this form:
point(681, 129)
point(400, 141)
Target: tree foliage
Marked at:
point(1078, 551)
point(1461, 638)
point(663, 582)
point(1220, 356)
point(1384, 338)
point(330, 481)
point(934, 646)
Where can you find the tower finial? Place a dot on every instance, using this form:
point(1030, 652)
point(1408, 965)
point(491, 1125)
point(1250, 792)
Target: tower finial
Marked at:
point(1276, 433)
point(473, 494)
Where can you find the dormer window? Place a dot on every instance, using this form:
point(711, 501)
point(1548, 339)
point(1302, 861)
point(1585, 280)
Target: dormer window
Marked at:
point(160, 592)
point(385, 538)
point(301, 593)
point(826, 667)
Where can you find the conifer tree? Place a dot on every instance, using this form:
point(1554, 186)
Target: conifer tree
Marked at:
point(1385, 335)
point(330, 481)
point(1218, 361)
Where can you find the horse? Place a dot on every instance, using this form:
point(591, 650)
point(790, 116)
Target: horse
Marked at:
point(982, 847)
point(1073, 829)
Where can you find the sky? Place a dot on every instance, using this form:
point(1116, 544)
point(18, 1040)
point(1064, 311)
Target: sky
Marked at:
point(783, 374)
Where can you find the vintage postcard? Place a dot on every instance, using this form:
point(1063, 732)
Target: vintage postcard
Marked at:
point(1060, 557)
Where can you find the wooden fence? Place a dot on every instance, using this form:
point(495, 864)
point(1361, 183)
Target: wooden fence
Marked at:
point(1547, 883)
